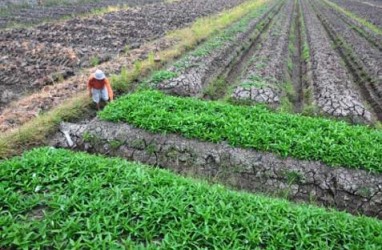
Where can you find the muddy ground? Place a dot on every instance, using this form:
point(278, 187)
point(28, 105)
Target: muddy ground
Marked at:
point(33, 58)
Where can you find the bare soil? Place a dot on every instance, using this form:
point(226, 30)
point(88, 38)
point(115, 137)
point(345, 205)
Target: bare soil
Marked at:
point(361, 56)
point(33, 13)
point(335, 92)
point(31, 59)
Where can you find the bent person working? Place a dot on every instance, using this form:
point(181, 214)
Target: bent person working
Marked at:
point(99, 88)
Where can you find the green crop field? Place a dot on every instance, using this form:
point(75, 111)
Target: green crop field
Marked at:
point(281, 98)
point(54, 198)
point(335, 143)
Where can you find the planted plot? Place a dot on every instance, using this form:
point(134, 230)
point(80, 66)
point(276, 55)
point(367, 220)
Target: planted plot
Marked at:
point(264, 79)
point(91, 40)
point(335, 143)
point(363, 59)
point(335, 93)
point(60, 199)
point(193, 73)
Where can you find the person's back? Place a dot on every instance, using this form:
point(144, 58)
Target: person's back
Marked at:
point(99, 88)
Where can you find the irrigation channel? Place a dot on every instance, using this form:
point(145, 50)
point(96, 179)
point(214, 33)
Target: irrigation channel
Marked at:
point(282, 56)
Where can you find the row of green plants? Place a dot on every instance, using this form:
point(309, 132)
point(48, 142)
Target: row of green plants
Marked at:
point(308, 138)
point(212, 45)
point(56, 199)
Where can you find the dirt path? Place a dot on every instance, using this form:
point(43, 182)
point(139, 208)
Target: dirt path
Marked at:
point(298, 64)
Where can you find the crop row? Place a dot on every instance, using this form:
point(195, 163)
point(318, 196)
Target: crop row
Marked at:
point(192, 73)
point(334, 143)
point(362, 57)
point(335, 93)
point(55, 198)
point(263, 79)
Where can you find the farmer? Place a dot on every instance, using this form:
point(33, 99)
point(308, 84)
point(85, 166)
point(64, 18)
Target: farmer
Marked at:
point(99, 88)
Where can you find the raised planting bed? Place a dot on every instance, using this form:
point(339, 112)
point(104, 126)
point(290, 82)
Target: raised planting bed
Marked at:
point(355, 191)
point(335, 143)
point(335, 92)
point(59, 199)
point(264, 78)
point(32, 58)
point(190, 75)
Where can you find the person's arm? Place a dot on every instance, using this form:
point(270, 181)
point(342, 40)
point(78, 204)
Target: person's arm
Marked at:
point(89, 87)
point(109, 90)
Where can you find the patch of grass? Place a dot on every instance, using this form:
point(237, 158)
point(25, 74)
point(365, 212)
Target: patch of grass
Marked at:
point(305, 45)
point(309, 138)
point(133, 206)
point(94, 61)
point(286, 106)
point(255, 81)
point(290, 64)
point(216, 88)
point(288, 98)
point(162, 75)
point(121, 82)
point(305, 52)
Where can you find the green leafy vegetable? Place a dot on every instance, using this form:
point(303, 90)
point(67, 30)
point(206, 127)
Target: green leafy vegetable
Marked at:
point(53, 198)
point(333, 142)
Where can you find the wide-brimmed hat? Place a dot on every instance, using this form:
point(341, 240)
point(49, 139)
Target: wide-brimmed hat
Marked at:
point(99, 75)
